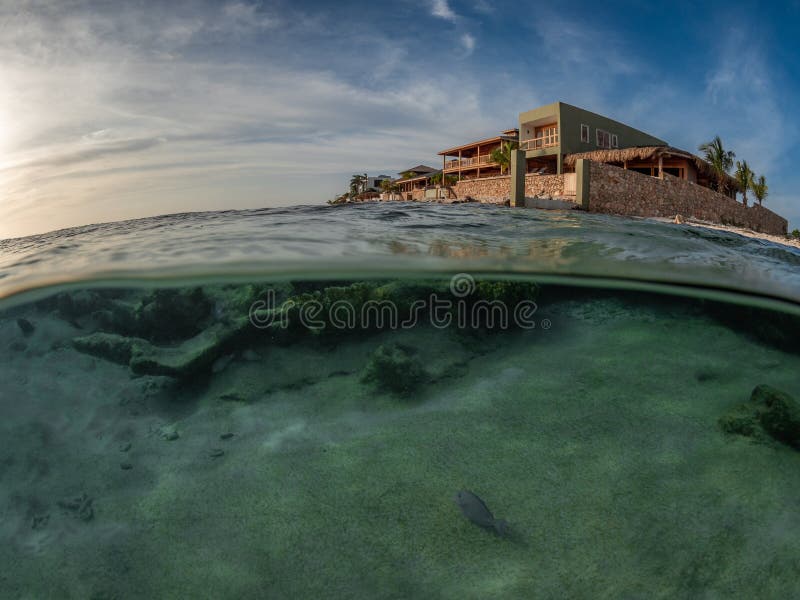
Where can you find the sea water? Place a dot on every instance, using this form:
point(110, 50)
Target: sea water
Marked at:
point(286, 404)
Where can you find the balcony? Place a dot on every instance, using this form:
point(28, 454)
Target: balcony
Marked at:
point(545, 141)
point(465, 163)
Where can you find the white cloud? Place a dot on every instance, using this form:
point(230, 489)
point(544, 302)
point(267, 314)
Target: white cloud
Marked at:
point(143, 127)
point(441, 9)
point(468, 41)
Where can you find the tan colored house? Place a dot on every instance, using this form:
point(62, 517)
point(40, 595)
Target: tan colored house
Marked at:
point(473, 160)
point(414, 181)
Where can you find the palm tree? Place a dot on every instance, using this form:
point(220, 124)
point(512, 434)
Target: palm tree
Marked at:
point(502, 155)
point(437, 178)
point(358, 184)
point(721, 160)
point(760, 188)
point(744, 177)
point(389, 187)
point(355, 185)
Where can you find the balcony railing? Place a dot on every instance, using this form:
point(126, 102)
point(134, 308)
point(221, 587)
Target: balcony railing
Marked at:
point(547, 141)
point(475, 161)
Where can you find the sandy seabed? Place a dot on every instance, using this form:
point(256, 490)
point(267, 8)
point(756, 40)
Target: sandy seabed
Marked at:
point(285, 475)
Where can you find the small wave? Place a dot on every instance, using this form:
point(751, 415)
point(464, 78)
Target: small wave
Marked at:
point(400, 238)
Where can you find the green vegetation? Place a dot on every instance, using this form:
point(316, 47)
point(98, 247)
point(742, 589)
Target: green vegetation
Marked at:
point(721, 160)
point(760, 189)
point(744, 177)
point(796, 233)
point(449, 180)
point(502, 155)
point(389, 187)
point(358, 184)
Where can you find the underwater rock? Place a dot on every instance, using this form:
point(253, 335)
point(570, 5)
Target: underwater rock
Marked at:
point(393, 368)
point(72, 305)
point(226, 436)
point(216, 452)
point(192, 356)
point(126, 466)
point(79, 506)
point(25, 326)
point(168, 315)
point(780, 414)
point(475, 509)
point(741, 420)
point(770, 413)
point(186, 359)
point(169, 433)
point(110, 346)
point(125, 447)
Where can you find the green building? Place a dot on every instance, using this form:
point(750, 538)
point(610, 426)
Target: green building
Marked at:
point(548, 133)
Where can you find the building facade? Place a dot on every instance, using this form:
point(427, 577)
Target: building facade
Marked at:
point(549, 133)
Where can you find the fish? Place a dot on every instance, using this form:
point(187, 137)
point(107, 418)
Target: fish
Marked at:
point(476, 511)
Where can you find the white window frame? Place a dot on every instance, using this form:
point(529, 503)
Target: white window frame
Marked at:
point(585, 128)
point(605, 135)
point(614, 140)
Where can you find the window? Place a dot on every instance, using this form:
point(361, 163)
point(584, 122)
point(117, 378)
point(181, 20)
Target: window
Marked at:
point(544, 137)
point(585, 133)
point(603, 139)
point(674, 171)
point(614, 141)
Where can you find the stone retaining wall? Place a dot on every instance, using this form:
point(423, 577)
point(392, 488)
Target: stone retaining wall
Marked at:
point(617, 191)
point(544, 185)
point(497, 190)
point(490, 190)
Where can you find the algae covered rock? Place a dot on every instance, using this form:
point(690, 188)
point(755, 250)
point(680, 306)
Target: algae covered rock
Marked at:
point(186, 359)
point(394, 368)
point(741, 420)
point(771, 413)
point(195, 355)
point(110, 346)
point(779, 414)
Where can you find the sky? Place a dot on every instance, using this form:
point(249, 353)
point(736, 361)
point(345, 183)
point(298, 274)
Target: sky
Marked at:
point(115, 110)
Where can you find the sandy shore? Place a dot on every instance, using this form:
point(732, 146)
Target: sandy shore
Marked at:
point(777, 239)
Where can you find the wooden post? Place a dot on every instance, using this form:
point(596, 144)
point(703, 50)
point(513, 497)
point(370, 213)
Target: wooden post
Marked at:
point(459, 165)
point(625, 165)
point(661, 167)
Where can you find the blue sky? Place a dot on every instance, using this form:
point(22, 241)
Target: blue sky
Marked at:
point(113, 110)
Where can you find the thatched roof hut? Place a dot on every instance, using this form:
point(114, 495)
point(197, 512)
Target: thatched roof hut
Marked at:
point(650, 153)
